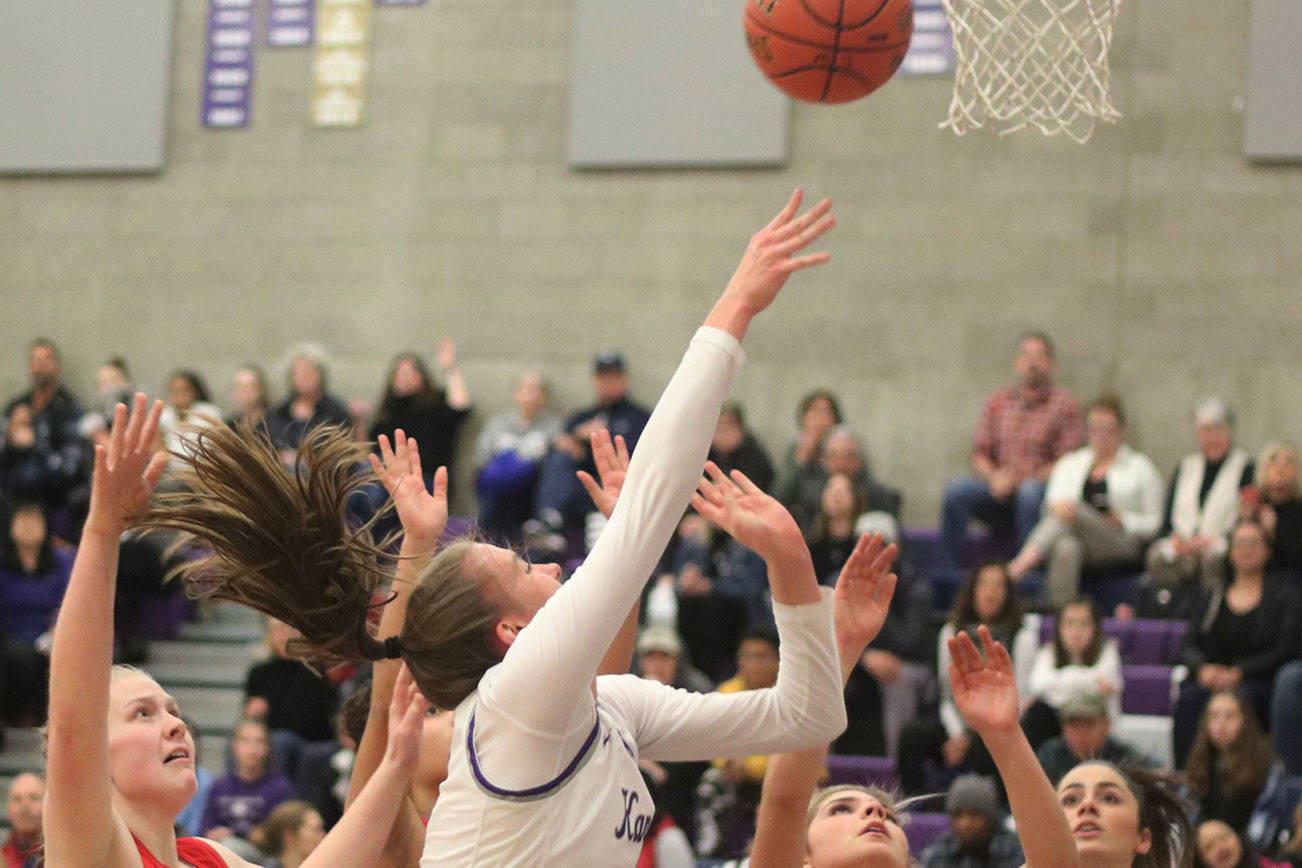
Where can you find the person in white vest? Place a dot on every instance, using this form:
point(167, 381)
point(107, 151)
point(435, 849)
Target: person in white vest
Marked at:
point(1103, 504)
point(1202, 503)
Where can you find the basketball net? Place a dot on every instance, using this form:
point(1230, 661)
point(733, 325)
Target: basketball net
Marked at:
point(1042, 63)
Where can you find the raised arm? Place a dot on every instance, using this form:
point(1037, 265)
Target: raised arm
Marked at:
point(458, 394)
point(986, 695)
point(81, 827)
point(863, 596)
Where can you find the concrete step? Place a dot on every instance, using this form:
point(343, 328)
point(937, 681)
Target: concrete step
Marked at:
point(194, 663)
point(213, 710)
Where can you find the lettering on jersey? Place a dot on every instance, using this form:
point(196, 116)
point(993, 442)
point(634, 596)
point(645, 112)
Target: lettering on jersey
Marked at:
point(634, 828)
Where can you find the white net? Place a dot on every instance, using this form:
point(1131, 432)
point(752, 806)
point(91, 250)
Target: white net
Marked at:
point(1042, 63)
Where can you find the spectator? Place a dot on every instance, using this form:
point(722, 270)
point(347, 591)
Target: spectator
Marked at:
point(1079, 659)
point(308, 405)
point(289, 834)
point(1276, 502)
point(1230, 763)
point(1219, 846)
point(561, 502)
point(734, 447)
point(819, 412)
point(509, 453)
point(325, 769)
point(189, 408)
point(297, 705)
point(660, 658)
point(832, 537)
point(1102, 506)
point(841, 454)
point(245, 796)
point(987, 596)
point(112, 387)
point(1023, 430)
point(26, 801)
point(975, 838)
point(1201, 504)
point(33, 577)
point(722, 591)
point(413, 402)
point(44, 458)
point(1086, 735)
point(1239, 638)
point(250, 396)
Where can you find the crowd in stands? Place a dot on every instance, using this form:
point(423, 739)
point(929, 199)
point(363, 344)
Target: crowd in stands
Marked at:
point(1072, 513)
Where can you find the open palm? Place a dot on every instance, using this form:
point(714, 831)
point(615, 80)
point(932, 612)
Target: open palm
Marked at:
point(611, 458)
point(751, 517)
point(864, 591)
point(127, 468)
point(770, 257)
point(985, 690)
point(424, 514)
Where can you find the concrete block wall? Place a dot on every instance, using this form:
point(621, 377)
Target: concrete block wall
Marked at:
point(1165, 266)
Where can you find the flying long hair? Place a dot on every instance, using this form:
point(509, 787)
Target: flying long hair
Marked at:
point(277, 537)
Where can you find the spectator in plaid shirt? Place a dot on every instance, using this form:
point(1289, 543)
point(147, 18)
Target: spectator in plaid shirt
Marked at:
point(1023, 430)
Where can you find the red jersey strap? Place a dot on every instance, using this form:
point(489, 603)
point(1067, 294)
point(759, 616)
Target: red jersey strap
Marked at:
point(195, 852)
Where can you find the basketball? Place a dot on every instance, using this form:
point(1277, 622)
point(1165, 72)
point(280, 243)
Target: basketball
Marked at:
point(828, 51)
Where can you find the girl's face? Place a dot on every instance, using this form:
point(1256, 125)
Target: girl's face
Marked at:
point(1224, 720)
point(1103, 814)
point(151, 753)
point(818, 415)
point(852, 828)
point(305, 838)
point(407, 379)
point(250, 748)
point(180, 394)
point(27, 528)
point(530, 394)
point(1249, 550)
point(991, 593)
point(1076, 629)
point(1218, 845)
point(247, 390)
point(517, 586)
point(838, 497)
point(1103, 431)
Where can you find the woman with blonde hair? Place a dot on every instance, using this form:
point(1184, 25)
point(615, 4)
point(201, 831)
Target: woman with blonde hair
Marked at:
point(290, 833)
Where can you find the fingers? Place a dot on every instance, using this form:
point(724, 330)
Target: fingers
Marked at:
point(806, 225)
point(440, 491)
point(964, 653)
point(117, 436)
point(996, 654)
point(788, 211)
point(603, 451)
point(590, 485)
point(621, 451)
point(413, 460)
point(154, 472)
point(885, 591)
point(743, 482)
point(149, 432)
point(797, 263)
point(135, 422)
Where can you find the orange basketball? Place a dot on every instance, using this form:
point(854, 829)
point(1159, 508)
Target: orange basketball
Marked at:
point(828, 50)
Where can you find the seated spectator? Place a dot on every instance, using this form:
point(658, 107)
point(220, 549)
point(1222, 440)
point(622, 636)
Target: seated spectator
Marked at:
point(297, 705)
point(1202, 504)
point(734, 447)
point(1102, 506)
point(1219, 846)
point(112, 387)
point(1230, 763)
point(819, 413)
point(722, 590)
point(843, 455)
point(561, 503)
point(1238, 639)
point(308, 405)
point(1286, 711)
point(246, 795)
point(660, 658)
point(1276, 502)
point(414, 402)
point(250, 397)
point(893, 680)
point(1023, 430)
point(289, 834)
point(26, 804)
point(33, 577)
point(188, 409)
point(44, 458)
point(508, 455)
point(975, 837)
point(1079, 659)
point(730, 791)
point(987, 596)
point(831, 535)
point(1086, 735)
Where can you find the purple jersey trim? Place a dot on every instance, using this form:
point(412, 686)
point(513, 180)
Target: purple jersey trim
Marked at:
point(532, 792)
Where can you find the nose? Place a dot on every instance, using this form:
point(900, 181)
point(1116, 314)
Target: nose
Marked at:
point(175, 726)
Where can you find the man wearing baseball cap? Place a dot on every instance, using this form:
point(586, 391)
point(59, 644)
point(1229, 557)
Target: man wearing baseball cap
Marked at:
point(976, 837)
point(1086, 735)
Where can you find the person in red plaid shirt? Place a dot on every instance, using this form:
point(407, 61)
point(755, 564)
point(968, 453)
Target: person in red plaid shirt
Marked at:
point(1023, 430)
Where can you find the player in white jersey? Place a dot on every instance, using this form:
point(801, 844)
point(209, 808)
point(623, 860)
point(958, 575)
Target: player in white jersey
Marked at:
point(544, 760)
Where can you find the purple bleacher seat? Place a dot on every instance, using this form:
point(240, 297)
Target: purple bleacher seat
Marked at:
point(1147, 690)
point(923, 828)
point(1148, 643)
point(863, 770)
point(1176, 632)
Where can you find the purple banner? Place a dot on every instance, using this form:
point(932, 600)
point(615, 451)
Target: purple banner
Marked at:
point(289, 23)
point(228, 70)
point(932, 50)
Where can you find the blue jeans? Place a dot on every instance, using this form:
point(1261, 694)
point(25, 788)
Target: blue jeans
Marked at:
point(1286, 716)
point(970, 497)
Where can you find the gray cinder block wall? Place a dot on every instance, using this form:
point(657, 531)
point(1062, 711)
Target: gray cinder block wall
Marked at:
point(1165, 266)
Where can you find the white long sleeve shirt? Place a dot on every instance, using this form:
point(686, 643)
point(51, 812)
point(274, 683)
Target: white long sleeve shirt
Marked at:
point(539, 772)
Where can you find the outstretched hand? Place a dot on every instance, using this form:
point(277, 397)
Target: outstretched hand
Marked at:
point(611, 458)
point(407, 710)
point(127, 468)
point(751, 517)
point(985, 690)
point(770, 257)
point(863, 593)
point(423, 514)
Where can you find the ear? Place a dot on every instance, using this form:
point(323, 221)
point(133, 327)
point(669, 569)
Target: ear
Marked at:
point(1145, 842)
point(506, 630)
